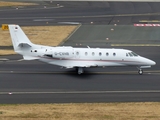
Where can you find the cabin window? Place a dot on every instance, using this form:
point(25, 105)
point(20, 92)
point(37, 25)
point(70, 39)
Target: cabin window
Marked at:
point(86, 53)
point(93, 53)
point(100, 53)
point(35, 50)
point(107, 54)
point(77, 53)
point(114, 54)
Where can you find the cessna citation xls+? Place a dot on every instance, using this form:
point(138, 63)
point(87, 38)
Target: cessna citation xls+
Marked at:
point(78, 58)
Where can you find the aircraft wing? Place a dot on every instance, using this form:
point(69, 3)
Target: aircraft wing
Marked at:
point(73, 64)
point(82, 65)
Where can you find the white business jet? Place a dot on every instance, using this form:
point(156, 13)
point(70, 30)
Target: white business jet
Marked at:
point(78, 58)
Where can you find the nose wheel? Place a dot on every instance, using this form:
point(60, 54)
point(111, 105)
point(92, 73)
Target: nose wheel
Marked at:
point(140, 71)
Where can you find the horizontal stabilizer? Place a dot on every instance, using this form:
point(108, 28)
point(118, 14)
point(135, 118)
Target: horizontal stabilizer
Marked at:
point(25, 45)
point(48, 55)
point(76, 64)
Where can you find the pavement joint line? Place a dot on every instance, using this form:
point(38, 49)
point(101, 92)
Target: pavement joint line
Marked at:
point(79, 25)
point(92, 16)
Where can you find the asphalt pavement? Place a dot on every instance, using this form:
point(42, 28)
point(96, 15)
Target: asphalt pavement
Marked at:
point(37, 82)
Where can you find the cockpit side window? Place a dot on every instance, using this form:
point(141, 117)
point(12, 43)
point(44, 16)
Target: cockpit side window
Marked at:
point(127, 54)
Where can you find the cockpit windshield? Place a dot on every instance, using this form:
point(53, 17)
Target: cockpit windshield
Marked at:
point(132, 54)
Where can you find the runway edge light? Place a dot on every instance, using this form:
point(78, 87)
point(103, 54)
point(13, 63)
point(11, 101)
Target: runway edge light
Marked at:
point(5, 27)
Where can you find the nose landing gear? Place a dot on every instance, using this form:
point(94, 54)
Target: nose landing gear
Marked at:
point(140, 71)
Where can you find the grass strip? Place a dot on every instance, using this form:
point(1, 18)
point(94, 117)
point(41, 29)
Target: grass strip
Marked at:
point(82, 111)
point(4, 3)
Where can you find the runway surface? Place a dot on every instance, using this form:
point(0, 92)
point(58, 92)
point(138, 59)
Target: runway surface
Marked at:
point(37, 82)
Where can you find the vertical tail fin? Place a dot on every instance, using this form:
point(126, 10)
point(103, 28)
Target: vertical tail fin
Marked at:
point(19, 39)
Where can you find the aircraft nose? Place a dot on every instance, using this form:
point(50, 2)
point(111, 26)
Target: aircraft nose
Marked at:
point(150, 62)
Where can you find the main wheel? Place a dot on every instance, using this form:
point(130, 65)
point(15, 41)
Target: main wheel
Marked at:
point(80, 70)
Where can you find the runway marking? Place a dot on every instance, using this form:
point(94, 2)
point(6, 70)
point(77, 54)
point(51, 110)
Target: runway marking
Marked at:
point(135, 45)
point(4, 59)
point(154, 21)
point(37, 20)
point(81, 92)
point(72, 23)
point(29, 9)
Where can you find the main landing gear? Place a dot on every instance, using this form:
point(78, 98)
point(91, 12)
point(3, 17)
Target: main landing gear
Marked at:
point(80, 70)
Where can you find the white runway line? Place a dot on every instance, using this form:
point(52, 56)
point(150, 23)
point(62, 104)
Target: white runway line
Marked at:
point(81, 92)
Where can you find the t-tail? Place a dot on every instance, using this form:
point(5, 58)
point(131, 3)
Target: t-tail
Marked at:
point(20, 41)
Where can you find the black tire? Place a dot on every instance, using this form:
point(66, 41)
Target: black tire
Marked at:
point(140, 72)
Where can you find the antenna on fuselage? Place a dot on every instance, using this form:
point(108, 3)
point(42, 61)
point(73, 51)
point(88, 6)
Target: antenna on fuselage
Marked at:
point(88, 46)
